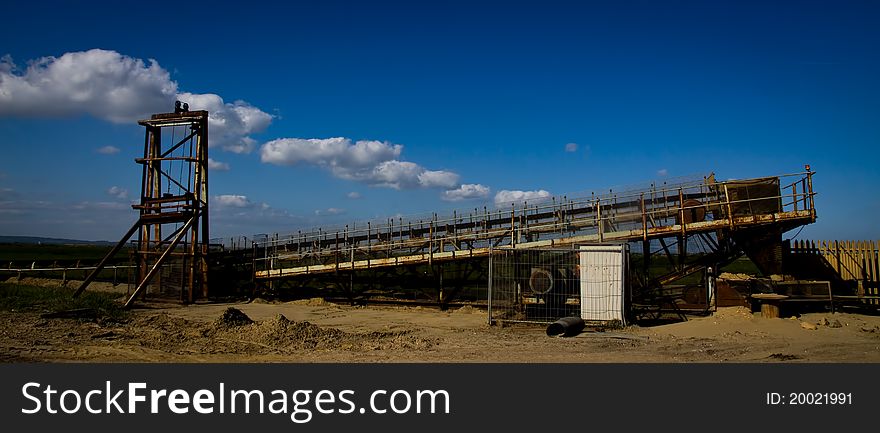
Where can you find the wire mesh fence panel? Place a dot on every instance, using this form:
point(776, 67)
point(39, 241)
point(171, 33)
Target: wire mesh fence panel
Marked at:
point(544, 285)
point(539, 286)
point(171, 280)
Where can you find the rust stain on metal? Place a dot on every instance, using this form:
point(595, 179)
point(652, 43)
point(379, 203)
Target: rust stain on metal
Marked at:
point(173, 209)
point(675, 211)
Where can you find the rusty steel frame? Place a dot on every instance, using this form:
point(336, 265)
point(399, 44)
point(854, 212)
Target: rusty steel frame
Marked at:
point(160, 208)
point(655, 213)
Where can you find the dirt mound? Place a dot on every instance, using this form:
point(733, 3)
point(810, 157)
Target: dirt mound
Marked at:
point(733, 313)
point(395, 340)
point(163, 332)
point(467, 309)
point(235, 332)
point(232, 317)
point(282, 332)
point(312, 302)
point(259, 300)
point(783, 357)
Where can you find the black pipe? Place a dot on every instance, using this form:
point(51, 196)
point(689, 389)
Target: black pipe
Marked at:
point(566, 327)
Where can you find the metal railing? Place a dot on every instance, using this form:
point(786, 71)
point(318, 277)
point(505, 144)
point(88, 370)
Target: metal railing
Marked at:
point(67, 271)
point(663, 211)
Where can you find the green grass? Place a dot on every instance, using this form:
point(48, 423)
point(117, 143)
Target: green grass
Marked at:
point(23, 255)
point(23, 297)
point(47, 253)
point(742, 265)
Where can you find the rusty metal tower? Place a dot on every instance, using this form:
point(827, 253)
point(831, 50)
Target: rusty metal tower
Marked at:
point(172, 227)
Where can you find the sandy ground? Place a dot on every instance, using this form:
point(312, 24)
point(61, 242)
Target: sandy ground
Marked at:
point(316, 331)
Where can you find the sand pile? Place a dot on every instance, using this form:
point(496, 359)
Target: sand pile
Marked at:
point(161, 331)
point(733, 313)
point(232, 317)
point(259, 300)
point(467, 309)
point(282, 332)
point(235, 332)
point(312, 302)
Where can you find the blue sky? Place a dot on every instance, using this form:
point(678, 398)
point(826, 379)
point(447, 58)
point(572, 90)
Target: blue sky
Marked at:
point(480, 98)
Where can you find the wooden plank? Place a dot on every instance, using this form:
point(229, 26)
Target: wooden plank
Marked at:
point(853, 263)
point(856, 255)
point(861, 259)
point(854, 260)
point(863, 268)
point(847, 254)
point(875, 266)
point(872, 268)
point(861, 255)
point(869, 250)
point(769, 304)
point(770, 311)
point(869, 260)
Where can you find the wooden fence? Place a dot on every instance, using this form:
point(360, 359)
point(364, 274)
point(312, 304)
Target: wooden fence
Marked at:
point(852, 260)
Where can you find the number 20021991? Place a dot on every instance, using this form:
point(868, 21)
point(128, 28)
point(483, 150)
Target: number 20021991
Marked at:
point(809, 398)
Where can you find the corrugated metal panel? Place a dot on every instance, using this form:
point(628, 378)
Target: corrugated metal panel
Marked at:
point(602, 279)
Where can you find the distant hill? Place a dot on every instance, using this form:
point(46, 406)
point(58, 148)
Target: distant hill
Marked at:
point(48, 241)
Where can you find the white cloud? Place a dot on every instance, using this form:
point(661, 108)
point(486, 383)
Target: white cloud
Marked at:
point(120, 193)
point(662, 172)
point(571, 147)
point(338, 153)
point(120, 89)
point(372, 162)
point(438, 179)
point(392, 174)
point(506, 197)
point(403, 174)
point(466, 192)
point(354, 195)
point(231, 200)
point(6, 64)
point(104, 84)
point(108, 150)
point(329, 211)
point(217, 165)
point(229, 124)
